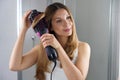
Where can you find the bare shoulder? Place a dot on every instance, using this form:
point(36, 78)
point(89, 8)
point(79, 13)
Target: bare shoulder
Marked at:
point(84, 48)
point(83, 44)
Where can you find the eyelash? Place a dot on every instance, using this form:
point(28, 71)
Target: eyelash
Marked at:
point(69, 17)
point(58, 21)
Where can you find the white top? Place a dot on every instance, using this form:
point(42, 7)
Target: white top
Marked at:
point(58, 73)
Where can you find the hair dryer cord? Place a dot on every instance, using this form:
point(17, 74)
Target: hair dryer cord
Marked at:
point(53, 68)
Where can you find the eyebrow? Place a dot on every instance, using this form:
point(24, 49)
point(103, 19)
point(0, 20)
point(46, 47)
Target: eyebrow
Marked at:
point(56, 18)
point(60, 17)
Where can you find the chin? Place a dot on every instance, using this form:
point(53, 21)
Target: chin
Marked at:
point(68, 34)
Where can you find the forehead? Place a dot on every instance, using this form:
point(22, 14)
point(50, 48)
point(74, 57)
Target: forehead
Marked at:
point(60, 13)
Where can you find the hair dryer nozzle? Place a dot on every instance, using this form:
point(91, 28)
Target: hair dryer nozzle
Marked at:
point(33, 14)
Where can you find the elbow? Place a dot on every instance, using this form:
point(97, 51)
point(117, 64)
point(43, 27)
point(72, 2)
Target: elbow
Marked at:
point(13, 68)
point(82, 77)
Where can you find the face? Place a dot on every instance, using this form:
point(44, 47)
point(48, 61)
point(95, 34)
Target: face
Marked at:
point(62, 23)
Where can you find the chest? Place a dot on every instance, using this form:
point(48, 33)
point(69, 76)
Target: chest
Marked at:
point(58, 73)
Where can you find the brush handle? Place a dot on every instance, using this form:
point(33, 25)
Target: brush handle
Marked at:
point(51, 53)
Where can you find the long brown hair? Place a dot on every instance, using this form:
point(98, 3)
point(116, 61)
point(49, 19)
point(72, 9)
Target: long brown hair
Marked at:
point(71, 45)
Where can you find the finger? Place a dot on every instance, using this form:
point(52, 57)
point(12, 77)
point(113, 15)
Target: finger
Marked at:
point(46, 43)
point(45, 36)
point(46, 39)
point(28, 12)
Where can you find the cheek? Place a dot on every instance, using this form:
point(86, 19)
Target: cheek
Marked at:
point(57, 29)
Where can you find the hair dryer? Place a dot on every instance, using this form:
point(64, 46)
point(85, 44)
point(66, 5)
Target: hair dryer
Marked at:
point(40, 27)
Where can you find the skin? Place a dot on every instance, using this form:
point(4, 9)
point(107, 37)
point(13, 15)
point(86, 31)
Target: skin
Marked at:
point(62, 26)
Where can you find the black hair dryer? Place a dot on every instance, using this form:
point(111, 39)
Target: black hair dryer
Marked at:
point(40, 28)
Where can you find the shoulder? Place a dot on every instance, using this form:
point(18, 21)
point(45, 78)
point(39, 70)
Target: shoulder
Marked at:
point(83, 59)
point(83, 45)
point(84, 48)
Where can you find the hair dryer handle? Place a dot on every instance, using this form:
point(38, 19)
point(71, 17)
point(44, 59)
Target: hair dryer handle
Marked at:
point(51, 53)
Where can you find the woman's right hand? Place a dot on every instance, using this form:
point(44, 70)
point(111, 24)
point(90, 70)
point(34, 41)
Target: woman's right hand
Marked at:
point(18, 61)
point(25, 21)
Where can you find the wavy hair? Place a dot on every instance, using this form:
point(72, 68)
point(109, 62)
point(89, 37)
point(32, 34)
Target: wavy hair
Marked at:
point(71, 45)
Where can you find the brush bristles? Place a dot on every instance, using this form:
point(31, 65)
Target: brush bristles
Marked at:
point(37, 19)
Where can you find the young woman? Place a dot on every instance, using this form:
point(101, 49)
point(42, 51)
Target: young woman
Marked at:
point(73, 55)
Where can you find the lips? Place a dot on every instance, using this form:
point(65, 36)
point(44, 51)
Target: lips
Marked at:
point(67, 30)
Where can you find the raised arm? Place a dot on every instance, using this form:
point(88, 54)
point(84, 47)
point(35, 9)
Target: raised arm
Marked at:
point(18, 61)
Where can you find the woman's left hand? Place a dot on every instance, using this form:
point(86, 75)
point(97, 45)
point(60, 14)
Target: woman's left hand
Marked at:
point(49, 40)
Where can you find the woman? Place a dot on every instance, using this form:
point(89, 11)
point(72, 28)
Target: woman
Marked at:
point(73, 55)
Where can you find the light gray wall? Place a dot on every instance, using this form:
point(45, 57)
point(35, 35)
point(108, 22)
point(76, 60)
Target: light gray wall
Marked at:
point(92, 21)
point(8, 35)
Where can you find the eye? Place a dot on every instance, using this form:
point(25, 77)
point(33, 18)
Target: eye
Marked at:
point(68, 17)
point(58, 21)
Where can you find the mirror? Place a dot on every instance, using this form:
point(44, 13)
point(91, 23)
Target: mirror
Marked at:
point(95, 25)
point(97, 22)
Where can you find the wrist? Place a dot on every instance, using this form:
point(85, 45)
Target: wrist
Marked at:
point(58, 47)
point(23, 30)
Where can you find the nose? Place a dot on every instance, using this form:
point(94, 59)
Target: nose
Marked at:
point(66, 23)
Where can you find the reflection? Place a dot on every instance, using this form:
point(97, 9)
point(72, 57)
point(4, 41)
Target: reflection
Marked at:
point(95, 24)
point(70, 54)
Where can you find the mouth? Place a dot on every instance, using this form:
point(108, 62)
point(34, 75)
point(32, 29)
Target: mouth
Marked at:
point(67, 30)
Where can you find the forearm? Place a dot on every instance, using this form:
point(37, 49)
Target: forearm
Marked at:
point(71, 71)
point(16, 56)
